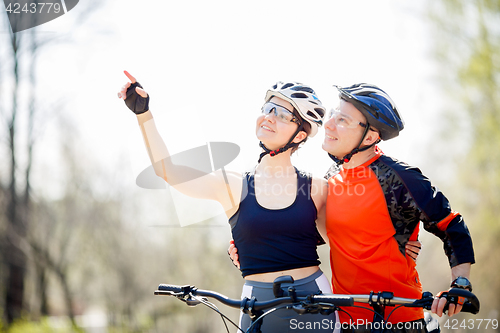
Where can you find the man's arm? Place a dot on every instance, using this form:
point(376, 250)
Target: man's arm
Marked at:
point(461, 270)
point(433, 209)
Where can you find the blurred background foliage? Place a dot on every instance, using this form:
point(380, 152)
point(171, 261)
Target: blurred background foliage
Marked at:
point(466, 46)
point(86, 261)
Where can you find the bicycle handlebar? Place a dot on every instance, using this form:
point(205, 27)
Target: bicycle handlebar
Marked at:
point(470, 301)
point(248, 304)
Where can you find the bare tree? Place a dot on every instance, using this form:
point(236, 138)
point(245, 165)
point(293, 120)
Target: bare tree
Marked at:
point(16, 228)
point(19, 67)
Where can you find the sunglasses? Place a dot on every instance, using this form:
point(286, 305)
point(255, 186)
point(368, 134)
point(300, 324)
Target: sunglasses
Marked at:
point(281, 113)
point(343, 120)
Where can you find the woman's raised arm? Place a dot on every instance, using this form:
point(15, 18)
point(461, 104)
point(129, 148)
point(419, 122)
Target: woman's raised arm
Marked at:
point(186, 179)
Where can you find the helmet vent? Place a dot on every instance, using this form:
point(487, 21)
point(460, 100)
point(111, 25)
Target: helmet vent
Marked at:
point(299, 95)
point(320, 111)
point(302, 88)
point(287, 85)
point(312, 115)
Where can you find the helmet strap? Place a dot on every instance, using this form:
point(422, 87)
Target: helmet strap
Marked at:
point(275, 152)
point(356, 150)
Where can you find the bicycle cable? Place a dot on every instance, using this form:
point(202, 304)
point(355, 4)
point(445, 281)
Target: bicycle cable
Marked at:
point(395, 308)
point(363, 307)
point(214, 308)
point(263, 315)
point(338, 309)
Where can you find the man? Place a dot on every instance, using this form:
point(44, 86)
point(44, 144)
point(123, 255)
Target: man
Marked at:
point(374, 207)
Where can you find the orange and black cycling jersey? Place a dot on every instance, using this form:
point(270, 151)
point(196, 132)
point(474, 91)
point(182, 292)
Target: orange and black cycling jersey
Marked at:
point(372, 211)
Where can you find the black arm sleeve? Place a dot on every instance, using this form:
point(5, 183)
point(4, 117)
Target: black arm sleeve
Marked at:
point(421, 200)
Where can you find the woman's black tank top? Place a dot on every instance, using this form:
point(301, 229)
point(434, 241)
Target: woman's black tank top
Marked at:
point(271, 240)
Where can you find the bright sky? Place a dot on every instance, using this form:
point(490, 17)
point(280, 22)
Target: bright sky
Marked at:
point(208, 64)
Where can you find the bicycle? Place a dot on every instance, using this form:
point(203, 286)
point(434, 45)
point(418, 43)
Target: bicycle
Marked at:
point(313, 303)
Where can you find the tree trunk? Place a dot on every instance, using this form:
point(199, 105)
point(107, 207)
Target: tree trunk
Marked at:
point(16, 228)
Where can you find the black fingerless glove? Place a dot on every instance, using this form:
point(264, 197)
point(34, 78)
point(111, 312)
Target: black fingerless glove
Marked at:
point(136, 102)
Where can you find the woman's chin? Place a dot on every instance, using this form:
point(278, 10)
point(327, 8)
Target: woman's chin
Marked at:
point(264, 137)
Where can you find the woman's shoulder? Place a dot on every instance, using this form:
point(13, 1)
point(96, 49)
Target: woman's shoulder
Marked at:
point(303, 173)
point(319, 191)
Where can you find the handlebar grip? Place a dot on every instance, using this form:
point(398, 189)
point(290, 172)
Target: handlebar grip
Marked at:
point(472, 305)
point(469, 300)
point(170, 287)
point(471, 308)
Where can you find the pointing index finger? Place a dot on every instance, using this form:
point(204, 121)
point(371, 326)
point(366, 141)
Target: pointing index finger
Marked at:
point(130, 77)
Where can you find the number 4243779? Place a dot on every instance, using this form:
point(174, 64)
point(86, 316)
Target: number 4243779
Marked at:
point(473, 324)
point(41, 7)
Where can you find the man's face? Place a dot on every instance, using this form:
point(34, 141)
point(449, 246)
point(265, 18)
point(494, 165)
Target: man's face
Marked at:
point(343, 131)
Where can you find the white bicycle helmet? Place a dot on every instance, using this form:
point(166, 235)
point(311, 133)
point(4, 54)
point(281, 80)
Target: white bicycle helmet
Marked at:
point(304, 100)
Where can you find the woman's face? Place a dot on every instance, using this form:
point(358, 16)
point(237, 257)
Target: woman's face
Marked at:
point(273, 132)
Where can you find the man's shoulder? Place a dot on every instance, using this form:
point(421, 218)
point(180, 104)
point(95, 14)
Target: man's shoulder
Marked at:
point(389, 165)
point(396, 176)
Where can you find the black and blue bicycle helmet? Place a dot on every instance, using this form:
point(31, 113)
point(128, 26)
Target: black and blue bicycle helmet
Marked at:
point(379, 110)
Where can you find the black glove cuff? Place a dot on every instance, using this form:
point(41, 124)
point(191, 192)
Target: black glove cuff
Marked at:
point(136, 102)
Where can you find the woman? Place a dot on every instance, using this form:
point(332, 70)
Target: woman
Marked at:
point(273, 209)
